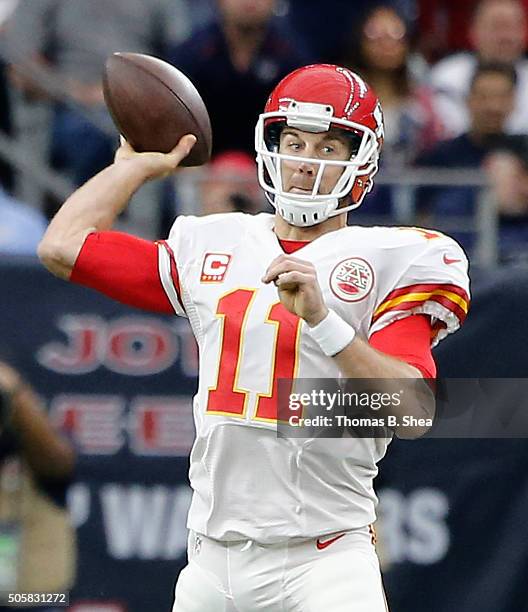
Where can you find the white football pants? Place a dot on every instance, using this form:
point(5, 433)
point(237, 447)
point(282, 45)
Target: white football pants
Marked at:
point(332, 574)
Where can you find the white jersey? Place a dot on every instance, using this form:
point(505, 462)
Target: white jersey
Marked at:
point(247, 482)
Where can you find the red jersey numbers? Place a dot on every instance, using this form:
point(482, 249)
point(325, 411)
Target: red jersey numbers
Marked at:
point(226, 397)
point(285, 357)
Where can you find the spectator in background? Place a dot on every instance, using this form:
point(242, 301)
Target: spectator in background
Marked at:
point(230, 184)
point(498, 34)
point(309, 15)
point(70, 40)
point(234, 62)
point(21, 226)
point(36, 465)
point(442, 26)
point(6, 172)
point(508, 173)
point(380, 51)
point(490, 101)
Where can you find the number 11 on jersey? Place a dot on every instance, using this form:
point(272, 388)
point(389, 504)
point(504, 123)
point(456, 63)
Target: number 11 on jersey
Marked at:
point(226, 397)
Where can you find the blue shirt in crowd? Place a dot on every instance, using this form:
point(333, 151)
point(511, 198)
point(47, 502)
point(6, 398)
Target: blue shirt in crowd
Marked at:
point(21, 227)
point(235, 98)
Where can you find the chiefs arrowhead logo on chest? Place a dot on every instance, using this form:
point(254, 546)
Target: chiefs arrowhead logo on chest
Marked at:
point(352, 279)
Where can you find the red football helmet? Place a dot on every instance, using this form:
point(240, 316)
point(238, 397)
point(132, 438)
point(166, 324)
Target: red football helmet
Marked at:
point(317, 98)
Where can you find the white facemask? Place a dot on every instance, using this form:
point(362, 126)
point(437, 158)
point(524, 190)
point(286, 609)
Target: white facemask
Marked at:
point(310, 209)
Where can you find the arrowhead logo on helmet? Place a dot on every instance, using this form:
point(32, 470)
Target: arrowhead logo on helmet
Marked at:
point(317, 98)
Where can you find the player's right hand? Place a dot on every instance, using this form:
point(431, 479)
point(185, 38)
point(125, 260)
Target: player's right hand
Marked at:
point(155, 165)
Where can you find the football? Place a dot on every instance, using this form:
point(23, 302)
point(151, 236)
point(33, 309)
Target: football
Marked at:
point(153, 105)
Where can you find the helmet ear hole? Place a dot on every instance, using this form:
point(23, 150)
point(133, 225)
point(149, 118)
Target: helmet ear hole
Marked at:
point(354, 141)
point(272, 134)
point(267, 177)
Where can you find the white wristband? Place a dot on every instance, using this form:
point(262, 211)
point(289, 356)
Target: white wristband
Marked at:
point(332, 334)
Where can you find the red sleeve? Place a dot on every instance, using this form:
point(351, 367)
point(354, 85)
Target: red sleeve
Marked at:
point(408, 339)
point(126, 269)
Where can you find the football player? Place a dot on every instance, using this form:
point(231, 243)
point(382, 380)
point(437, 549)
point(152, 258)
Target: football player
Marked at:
point(279, 523)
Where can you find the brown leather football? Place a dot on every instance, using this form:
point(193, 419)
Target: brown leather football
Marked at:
point(153, 105)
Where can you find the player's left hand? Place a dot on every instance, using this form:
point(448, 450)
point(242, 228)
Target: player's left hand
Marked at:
point(298, 288)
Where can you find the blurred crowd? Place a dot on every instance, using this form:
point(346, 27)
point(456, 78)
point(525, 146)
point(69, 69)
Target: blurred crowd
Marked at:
point(452, 77)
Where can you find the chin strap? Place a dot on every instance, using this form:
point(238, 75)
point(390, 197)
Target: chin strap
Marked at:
point(303, 214)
